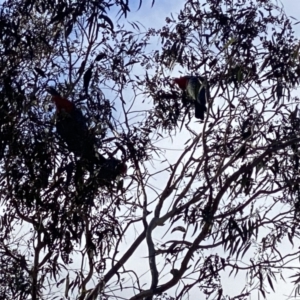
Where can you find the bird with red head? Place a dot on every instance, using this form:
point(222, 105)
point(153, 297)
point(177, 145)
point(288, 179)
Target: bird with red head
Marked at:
point(196, 88)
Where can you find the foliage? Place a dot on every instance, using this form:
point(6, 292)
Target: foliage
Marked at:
point(232, 192)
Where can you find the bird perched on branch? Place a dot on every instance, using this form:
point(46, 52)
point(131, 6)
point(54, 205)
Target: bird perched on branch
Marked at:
point(72, 127)
point(195, 88)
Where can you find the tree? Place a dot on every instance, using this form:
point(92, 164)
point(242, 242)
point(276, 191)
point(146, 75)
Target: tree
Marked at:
point(231, 195)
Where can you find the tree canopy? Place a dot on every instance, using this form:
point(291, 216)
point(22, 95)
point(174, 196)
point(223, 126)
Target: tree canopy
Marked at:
point(203, 201)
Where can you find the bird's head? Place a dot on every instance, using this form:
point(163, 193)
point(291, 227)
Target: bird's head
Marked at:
point(181, 82)
point(62, 104)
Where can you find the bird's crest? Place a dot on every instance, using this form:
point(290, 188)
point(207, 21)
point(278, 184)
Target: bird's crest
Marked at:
point(181, 82)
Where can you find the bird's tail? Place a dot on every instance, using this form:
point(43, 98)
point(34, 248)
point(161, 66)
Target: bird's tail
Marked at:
point(199, 111)
point(110, 170)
